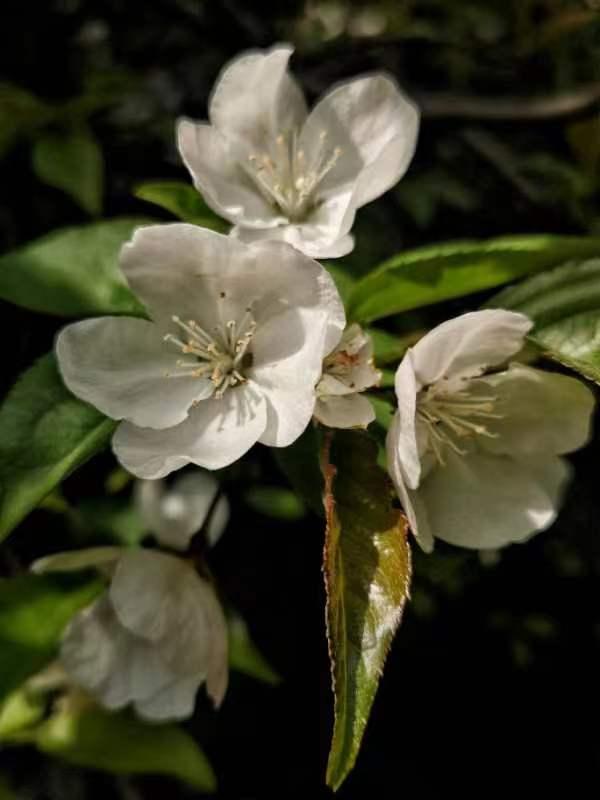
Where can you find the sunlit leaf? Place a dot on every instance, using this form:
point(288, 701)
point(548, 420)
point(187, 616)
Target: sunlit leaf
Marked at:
point(439, 272)
point(72, 272)
point(122, 744)
point(565, 307)
point(20, 709)
point(366, 565)
point(183, 201)
point(34, 610)
point(244, 656)
point(73, 162)
point(45, 433)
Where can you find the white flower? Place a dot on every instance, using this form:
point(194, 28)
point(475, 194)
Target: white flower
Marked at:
point(347, 370)
point(275, 171)
point(151, 639)
point(176, 513)
point(230, 357)
point(475, 457)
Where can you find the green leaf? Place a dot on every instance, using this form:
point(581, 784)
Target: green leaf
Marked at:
point(114, 518)
point(429, 275)
point(244, 656)
point(45, 433)
point(183, 201)
point(384, 410)
point(121, 744)
point(343, 280)
point(300, 463)
point(6, 793)
point(388, 348)
point(564, 305)
point(72, 271)
point(20, 113)
point(34, 610)
point(366, 565)
point(273, 501)
point(20, 709)
point(72, 162)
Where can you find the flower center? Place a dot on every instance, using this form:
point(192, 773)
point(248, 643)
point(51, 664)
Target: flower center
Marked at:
point(452, 416)
point(287, 178)
point(222, 357)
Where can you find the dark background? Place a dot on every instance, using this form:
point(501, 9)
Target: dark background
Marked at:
point(493, 678)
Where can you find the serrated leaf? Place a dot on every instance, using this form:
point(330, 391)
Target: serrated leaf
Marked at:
point(564, 305)
point(366, 566)
point(244, 656)
point(45, 433)
point(429, 275)
point(300, 464)
point(123, 745)
point(73, 162)
point(72, 271)
point(34, 610)
point(183, 201)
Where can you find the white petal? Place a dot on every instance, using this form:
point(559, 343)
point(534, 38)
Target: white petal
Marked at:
point(287, 365)
point(304, 237)
point(120, 365)
point(255, 99)
point(418, 522)
point(376, 128)
point(104, 658)
point(74, 560)
point(218, 176)
point(466, 345)
point(483, 501)
point(404, 436)
point(216, 434)
point(347, 411)
point(174, 702)
point(541, 412)
point(176, 514)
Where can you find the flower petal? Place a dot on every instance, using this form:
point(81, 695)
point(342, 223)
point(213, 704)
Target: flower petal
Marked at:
point(74, 560)
point(483, 501)
point(173, 702)
point(218, 176)
point(346, 411)
point(417, 520)
point(255, 99)
point(176, 514)
point(540, 412)
point(216, 434)
point(466, 345)
point(374, 125)
point(302, 237)
point(405, 423)
point(120, 365)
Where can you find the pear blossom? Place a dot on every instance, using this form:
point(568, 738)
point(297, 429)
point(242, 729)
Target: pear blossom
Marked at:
point(151, 639)
point(347, 371)
point(230, 355)
point(276, 171)
point(175, 513)
point(475, 446)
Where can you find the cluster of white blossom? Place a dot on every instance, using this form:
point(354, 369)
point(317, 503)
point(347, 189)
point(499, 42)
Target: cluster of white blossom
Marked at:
point(246, 342)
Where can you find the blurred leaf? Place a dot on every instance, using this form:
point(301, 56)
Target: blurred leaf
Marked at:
point(20, 112)
point(300, 463)
point(123, 745)
point(273, 501)
point(34, 610)
point(72, 272)
point(45, 433)
point(6, 793)
point(429, 275)
point(20, 709)
point(72, 162)
point(388, 348)
point(565, 307)
point(114, 518)
point(423, 196)
point(584, 139)
point(366, 565)
point(342, 279)
point(244, 656)
point(384, 410)
point(183, 201)
point(387, 379)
